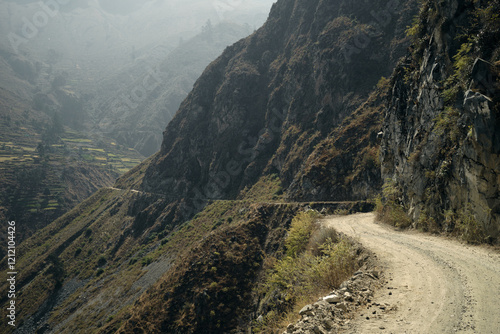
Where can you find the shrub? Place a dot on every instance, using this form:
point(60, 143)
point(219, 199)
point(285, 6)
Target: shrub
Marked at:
point(88, 232)
point(312, 266)
point(146, 261)
point(78, 251)
point(416, 29)
point(463, 62)
point(337, 263)
point(383, 83)
point(427, 223)
point(101, 261)
point(469, 229)
point(388, 207)
point(446, 123)
point(319, 237)
point(301, 229)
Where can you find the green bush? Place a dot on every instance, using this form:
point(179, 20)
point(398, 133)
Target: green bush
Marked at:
point(337, 263)
point(446, 124)
point(469, 229)
point(463, 62)
point(388, 207)
point(301, 279)
point(317, 261)
point(301, 229)
point(88, 232)
point(146, 261)
point(427, 223)
point(319, 237)
point(101, 261)
point(78, 251)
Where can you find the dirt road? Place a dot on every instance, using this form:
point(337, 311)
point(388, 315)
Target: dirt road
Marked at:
point(433, 285)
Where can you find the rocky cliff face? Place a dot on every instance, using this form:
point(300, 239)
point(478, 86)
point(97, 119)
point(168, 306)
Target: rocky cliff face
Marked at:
point(441, 140)
point(264, 105)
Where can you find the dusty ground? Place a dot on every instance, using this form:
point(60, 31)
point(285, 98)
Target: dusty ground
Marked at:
point(433, 285)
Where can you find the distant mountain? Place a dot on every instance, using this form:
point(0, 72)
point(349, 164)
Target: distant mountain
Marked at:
point(134, 106)
point(103, 50)
point(92, 39)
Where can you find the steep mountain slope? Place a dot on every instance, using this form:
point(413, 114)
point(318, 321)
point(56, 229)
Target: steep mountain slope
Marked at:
point(441, 141)
point(136, 257)
point(269, 99)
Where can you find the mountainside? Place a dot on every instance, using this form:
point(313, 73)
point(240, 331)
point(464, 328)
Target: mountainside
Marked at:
point(242, 134)
point(205, 236)
point(441, 141)
point(263, 106)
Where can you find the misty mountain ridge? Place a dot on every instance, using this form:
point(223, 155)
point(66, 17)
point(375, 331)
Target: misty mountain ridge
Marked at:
point(134, 106)
point(87, 46)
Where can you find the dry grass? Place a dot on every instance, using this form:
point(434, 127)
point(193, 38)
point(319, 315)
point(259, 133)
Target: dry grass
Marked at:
point(317, 261)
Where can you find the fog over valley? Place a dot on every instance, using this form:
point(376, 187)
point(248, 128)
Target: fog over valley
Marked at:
point(102, 52)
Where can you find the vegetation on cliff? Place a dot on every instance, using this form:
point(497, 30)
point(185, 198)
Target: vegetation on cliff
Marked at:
point(440, 146)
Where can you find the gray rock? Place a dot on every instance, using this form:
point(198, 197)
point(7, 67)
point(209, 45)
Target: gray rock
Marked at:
point(307, 310)
point(342, 306)
point(318, 330)
point(483, 78)
point(328, 324)
point(332, 299)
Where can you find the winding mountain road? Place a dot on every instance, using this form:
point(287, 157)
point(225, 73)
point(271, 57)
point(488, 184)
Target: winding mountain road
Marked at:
point(432, 284)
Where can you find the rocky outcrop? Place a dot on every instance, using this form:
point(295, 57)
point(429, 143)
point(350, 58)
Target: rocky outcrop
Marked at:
point(441, 145)
point(330, 313)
